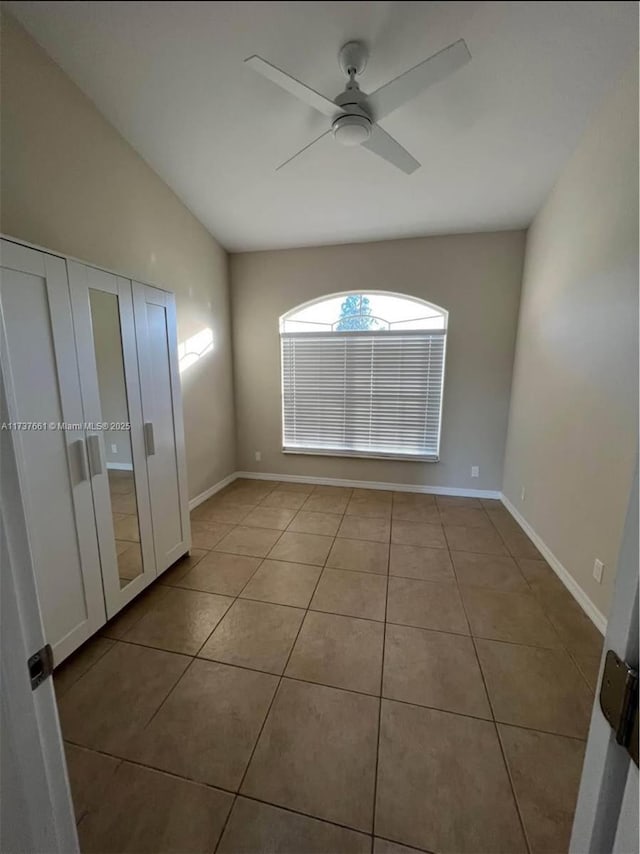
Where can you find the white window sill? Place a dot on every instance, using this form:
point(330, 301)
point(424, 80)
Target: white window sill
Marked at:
point(368, 455)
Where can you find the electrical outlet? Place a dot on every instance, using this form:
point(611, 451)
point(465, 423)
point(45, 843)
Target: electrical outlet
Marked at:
point(114, 449)
point(475, 471)
point(523, 493)
point(598, 569)
point(258, 456)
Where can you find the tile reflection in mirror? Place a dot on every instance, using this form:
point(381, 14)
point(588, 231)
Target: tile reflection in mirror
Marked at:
point(105, 318)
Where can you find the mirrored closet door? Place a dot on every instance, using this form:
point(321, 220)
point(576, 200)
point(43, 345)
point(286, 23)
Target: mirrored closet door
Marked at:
point(102, 306)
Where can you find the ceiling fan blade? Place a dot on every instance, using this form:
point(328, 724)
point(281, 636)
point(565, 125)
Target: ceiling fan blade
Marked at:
point(385, 146)
point(302, 150)
point(294, 87)
point(397, 92)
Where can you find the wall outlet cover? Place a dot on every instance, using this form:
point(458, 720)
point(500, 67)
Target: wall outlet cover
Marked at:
point(475, 471)
point(598, 569)
point(258, 456)
point(523, 492)
point(114, 449)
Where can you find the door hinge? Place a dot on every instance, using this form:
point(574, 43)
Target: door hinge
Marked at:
point(40, 666)
point(619, 701)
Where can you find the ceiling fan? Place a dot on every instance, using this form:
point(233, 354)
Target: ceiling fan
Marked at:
point(355, 115)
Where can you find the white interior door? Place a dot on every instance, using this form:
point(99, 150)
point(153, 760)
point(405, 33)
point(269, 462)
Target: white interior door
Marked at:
point(606, 818)
point(36, 813)
point(106, 343)
point(155, 317)
point(40, 374)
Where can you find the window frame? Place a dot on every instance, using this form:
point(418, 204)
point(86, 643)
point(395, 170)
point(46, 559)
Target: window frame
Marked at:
point(384, 333)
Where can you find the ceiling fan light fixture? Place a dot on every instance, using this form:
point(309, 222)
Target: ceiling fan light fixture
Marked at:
point(351, 130)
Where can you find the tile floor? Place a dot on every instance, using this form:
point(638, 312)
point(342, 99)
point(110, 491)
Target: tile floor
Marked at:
point(334, 671)
point(124, 506)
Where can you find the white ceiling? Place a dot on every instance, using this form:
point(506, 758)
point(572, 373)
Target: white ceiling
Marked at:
point(492, 138)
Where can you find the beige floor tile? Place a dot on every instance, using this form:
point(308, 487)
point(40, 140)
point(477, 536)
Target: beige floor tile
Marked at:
point(317, 754)
point(111, 703)
point(221, 573)
point(255, 634)
point(276, 518)
point(181, 621)
point(406, 512)
point(497, 572)
point(254, 827)
point(589, 666)
point(124, 503)
point(207, 727)
point(182, 566)
point(520, 545)
point(221, 510)
point(546, 800)
point(302, 548)
point(417, 562)
point(283, 583)
point(452, 795)
point(383, 846)
point(333, 491)
point(417, 534)
point(344, 652)
point(125, 527)
point(541, 578)
point(426, 605)
point(90, 775)
point(310, 522)
point(433, 669)
point(534, 687)
point(369, 507)
point(382, 495)
point(206, 535)
point(285, 499)
point(251, 493)
point(82, 660)
point(354, 594)
point(575, 629)
point(363, 528)
point(322, 503)
point(123, 621)
point(470, 517)
point(445, 502)
point(150, 812)
point(298, 488)
point(255, 542)
point(359, 556)
point(513, 617)
point(482, 540)
point(415, 498)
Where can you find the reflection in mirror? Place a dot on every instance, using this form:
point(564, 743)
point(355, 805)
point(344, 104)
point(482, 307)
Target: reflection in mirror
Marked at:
point(105, 319)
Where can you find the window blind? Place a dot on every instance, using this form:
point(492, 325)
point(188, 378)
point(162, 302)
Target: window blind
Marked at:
point(363, 393)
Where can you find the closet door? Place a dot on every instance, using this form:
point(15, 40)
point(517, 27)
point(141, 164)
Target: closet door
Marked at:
point(155, 318)
point(105, 339)
point(40, 375)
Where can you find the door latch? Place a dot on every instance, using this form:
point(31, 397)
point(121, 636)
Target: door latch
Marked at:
point(40, 666)
point(619, 701)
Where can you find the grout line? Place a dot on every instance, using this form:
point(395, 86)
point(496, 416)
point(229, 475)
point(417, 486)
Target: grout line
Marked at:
point(495, 726)
point(268, 712)
point(384, 646)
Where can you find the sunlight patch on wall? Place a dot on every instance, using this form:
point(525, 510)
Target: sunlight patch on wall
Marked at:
point(194, 348)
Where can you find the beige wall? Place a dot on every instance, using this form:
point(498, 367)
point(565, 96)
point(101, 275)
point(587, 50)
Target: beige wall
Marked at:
point(573, 424)
point(71, 183)
point(476, 277)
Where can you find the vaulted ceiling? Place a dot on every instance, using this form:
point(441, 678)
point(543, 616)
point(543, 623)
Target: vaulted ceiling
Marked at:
point(491, 139)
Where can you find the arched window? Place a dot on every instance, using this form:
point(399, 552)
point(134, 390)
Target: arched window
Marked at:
point(362, 376)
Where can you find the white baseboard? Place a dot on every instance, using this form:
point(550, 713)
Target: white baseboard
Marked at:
point(595, 615)
point(119, 466)
point(371, 484)
point(199, 499)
